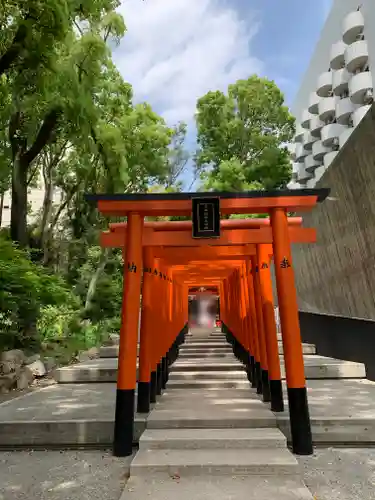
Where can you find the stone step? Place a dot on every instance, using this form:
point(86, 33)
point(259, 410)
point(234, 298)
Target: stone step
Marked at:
point(316, 367)
point(208, 383)
point(306, 349)
point(197, 439)
point(209, 365)
point(211, 396)
point(162, 487)
point(214, 375)
point(205, 350)
point(197, 415)
point(202, 355)
point(211, 404)
point(109, 351)
point(205, 345)
point(193, 413)
point(321, 367)
point(273, 462)
point(205, 340)
point(112, 351)
point(95, 370)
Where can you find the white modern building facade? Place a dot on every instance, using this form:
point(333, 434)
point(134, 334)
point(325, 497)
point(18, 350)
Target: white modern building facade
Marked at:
point(35, 200)
point(336, 91)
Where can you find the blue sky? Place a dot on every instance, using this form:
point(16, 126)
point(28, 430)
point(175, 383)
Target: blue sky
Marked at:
point(177, 50)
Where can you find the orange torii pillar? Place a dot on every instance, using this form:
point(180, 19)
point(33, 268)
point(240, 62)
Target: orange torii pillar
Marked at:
point(162, 327)
point(236, 333)
point(291, 335)
point(127, 357)
point(272, 346)
point(154, 322)
point(255, 358)
point(146, 377)
point(263, 383)
point(250, 363)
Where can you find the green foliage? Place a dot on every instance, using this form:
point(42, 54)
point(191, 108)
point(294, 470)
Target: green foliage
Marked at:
point(68, 123)
point(241, 137)
point(63, 334)
point(25, 288)
point(231, 176)
point(106, 300)
point(55, 322)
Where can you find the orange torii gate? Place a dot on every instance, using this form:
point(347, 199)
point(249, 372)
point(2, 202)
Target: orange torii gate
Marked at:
point(241, 289)
point(258, 370)
point(264, 370)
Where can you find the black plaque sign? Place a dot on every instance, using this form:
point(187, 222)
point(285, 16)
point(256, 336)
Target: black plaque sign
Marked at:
point(206, 217)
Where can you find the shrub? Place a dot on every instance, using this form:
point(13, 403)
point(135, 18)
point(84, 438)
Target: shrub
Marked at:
point(25, 288)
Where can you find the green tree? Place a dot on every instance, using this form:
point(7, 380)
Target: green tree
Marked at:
point(242, 136)
point(52, 55)
point(178, 157)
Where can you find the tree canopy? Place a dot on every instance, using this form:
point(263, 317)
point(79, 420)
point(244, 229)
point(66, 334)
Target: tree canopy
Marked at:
point(69, 126)
point(242, 137)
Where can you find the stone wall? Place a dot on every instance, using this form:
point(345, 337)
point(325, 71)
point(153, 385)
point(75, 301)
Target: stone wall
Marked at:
point(336, 275)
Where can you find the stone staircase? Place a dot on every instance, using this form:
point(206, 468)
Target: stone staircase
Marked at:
point(210, 429)
point(79, 410)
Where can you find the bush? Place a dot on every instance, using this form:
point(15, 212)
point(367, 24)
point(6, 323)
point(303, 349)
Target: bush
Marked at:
point(63, 333)
point(25, 288)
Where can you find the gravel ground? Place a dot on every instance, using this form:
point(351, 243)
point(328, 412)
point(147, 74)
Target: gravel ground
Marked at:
point(330, 474)
point(62, 475)
point(340, 473)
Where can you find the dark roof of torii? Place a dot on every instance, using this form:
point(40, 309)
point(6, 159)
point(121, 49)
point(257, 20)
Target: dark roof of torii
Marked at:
point(321, 195)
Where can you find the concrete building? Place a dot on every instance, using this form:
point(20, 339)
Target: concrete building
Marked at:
point(35, 200)
point(336, 91)
point(334, 148)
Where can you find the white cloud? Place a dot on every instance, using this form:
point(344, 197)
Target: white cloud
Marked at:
point(177, 50)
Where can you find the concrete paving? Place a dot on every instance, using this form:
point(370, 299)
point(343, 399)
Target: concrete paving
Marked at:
point(341, 412)
point(62, 415)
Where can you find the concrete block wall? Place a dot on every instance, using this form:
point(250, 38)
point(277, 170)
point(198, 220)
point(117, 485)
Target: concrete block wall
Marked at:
point(336, 275)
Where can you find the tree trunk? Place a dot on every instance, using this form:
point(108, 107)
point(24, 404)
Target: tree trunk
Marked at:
point(47, 205)
point(18, 222)
point(22, 159)
point(2, 195)
point(13, 52)
point(50, 229)
point(95, 277)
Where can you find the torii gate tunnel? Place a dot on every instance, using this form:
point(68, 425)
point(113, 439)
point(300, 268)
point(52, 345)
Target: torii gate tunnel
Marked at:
point(233, 256)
